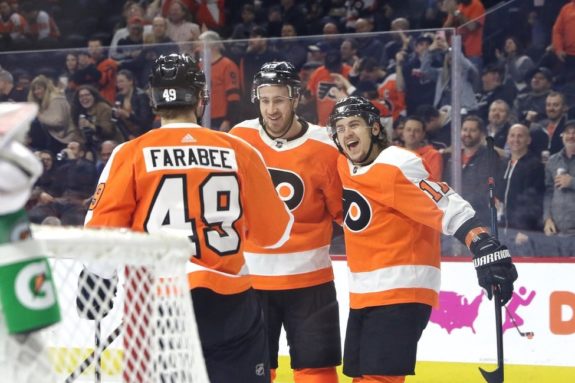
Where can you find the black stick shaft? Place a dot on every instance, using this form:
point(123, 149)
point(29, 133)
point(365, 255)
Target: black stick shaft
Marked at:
point(491, 157)
point(88, 361)
point(98, 336)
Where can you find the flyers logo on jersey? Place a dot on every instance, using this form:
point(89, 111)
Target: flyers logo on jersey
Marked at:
point(356, 210)
point(289, 185)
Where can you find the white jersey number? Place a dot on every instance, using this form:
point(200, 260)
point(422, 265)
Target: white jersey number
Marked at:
point(220, 209)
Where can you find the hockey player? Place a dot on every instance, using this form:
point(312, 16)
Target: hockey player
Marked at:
point(208, 186)
point(28, 300)
point(393, 219)
point(295, 281)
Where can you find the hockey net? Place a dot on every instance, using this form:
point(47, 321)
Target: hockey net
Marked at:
point(150, 333)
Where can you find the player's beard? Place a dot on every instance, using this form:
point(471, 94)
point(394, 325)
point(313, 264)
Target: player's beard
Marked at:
point(285, 128)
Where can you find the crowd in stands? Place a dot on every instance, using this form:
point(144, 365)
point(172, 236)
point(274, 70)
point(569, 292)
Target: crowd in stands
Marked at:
point(517, 82)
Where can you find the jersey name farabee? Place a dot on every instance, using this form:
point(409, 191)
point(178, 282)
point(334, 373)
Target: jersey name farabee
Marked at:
point(187, 157)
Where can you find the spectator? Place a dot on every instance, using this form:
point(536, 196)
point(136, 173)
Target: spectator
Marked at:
point(293, 14)
point(517, 65)
point(242, 30)
point(530, 106)
point(225, 84)
point(367, 45)
point(131, 46)
point(180, 30)
point(53, 127)
point(87, 73)
point(76, 176)
point(399, 41)
point(443, 82)
point(322, 85)
point(41, 27)
point(418, 89)
point(559, 202)
point(546, 135)
point(131, 9)
point(520, 189)
point(273, 25)
point(348, 50)
point(12, 28)
point(107, 67)
point(92, 114)
point(475, 167)
point(498, 123)
point(133, 112)
point(414, 140)
point(468, 16)
point(290, 43)
point(8, 92)
point(257, 54)
point(492, 89)
point(65, 78)
point(46, 183)
point(564, 40)
point(437, 125)
point(158, 35)
point(106, 150)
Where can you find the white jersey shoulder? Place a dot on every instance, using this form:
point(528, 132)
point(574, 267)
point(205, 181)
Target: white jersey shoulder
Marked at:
point(249, 124)
point(319, 133)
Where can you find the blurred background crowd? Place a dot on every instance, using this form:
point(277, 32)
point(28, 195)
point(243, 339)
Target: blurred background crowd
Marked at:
point(85, 63)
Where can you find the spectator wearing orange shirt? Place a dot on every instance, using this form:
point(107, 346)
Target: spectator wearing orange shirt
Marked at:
point(564, 39)
point(469, 17)
point(224, 84)
point(323, 87)
point(414, 140)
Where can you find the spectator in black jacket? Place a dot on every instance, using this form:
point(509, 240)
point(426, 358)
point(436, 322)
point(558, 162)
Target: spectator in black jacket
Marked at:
point(498, 124)
point(475, 167)
point(521, 187)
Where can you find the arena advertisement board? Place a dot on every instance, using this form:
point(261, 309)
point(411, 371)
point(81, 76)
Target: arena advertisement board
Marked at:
point(462, 329)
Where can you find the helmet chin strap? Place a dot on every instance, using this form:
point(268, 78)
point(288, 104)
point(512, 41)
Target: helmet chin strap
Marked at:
point(365, 160)
point(288, 125)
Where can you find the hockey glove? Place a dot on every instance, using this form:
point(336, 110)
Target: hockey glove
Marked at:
point(95, 296)
point(494, 267)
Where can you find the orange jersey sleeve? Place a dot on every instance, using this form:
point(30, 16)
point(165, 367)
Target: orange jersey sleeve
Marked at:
point(311, 190)
point(193, 182)
point(393, 218)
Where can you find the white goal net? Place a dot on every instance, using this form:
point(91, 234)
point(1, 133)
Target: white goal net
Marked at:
point(149, 335)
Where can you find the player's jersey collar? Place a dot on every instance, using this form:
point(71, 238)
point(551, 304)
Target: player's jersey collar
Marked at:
point(179, 125)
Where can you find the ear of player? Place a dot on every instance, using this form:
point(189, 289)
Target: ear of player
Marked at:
point(95, 296)
point(493, 265)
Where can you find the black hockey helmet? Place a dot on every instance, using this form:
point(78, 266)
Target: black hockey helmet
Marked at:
point(277, 73)
point(177, 80)
point(355, 106)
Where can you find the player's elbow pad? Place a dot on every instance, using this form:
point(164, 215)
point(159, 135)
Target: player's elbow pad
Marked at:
point(95, 296)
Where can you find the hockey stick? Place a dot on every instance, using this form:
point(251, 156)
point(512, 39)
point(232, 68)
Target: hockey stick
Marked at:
point(97, 341)
point(497, 375)
point(94, 355)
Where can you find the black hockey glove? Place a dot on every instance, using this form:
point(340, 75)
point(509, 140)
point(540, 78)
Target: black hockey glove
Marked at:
point(95, 296)
point(494, 267)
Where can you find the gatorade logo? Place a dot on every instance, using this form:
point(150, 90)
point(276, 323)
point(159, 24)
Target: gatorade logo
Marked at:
point(31, 288)
point(20, 232)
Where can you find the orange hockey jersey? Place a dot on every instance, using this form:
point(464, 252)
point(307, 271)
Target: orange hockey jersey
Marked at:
point(304, 171)
point(393, 219)
point(206, 185)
